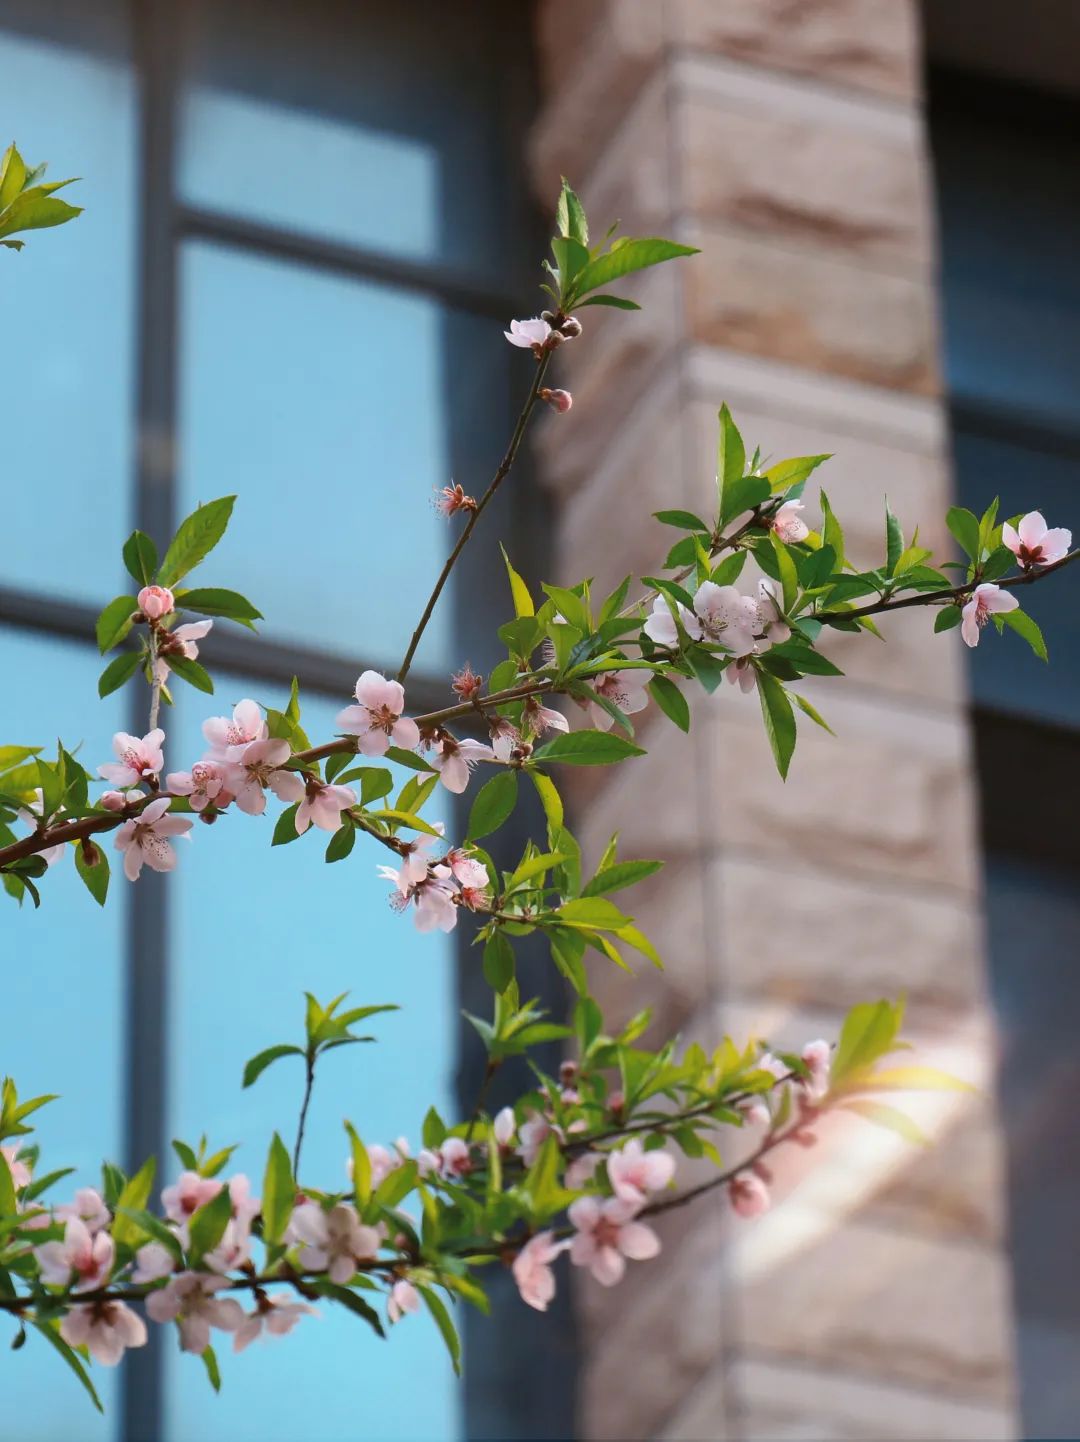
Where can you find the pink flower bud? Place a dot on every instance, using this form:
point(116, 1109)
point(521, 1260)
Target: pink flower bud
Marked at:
point(117, 800)
point(155, 602)
point(560, 401)
point(749, 1195)
point(571, 327)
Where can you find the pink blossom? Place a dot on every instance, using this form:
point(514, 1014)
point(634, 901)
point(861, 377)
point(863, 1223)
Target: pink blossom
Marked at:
point(532, 1134)
point(117, 800)
point(323, 805)
point(451, 499)
point(184, 641)
point(155, 602)
point(376, 720)
point(383, 1162)
point(455, 1157)
point(789, 525)
point(31, 815)
point(245, 1207)
point(261, 765)
point(335, 1242)
point(415, 859)
point(80, 1254)
point(188, 1194)
point(817, 1056)
point(20, 1171)
point(634, 1173)
point(105, 1329)
point(559, 401)
point(153, 1261)
point(403, 1298)
point(229, 739)
point(88, 1207)
point(771, 611)
point(145, 838)
point(581, 1170)
point(202, 785)
point(529, 334)
point(742, 673)
point(540, 719)
point(137, 759)
point(625, 689)
point(606, 1235)
point(190, 1298)
point(721, 616)
point(454, 760)
point(277, 1314)
point(233, 1250)
point(661, 627)
point(1033, 544)
point(532, 1269)
point(755, 1112)
point(749, 1195)
point(504, 1126)
point(432, 897)
point(985, 601)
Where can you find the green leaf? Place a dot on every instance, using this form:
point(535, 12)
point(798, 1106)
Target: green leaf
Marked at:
point(141, 558)
point(13, 176)
point(34, 210)
point(351, 1301)
point(115, 622)
point(965, 528)
point(498, 962)
point(523, 602)
point(15, 755)
point(437, 1307)
point(730, 453)
point(785, 565)
point(869, 1032)
point(831, 532)
point(285, 829)
point(779, 720)
point(195, 539)
point(254, 1068)
point(685, 520)
point(947, 618)
point(549, 799)
point(619, 875)
point(213, 1371)
point(8, 1205)
point(134, 1197)
point(570, 215)
point(1024, 626)
point(494, 804)
point(50, 1331)
point(341, 843)
point(278, 1193)
point(587, 748)
point(889, 1117)
point(617, 302)
point(789, 473)
point(671, 701)
point(361, 1168)
point(571, 258)
point(119, 670)
point(894, 541)
point(809, 709)
point(213, 601)
point(146, 1223)
point(625, 257)
point(192, 672)
point(95, 878)
point(208, 1223)
point(743, 495)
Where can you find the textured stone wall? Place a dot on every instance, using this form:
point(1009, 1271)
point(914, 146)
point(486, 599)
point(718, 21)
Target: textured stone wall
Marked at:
point(785, 138)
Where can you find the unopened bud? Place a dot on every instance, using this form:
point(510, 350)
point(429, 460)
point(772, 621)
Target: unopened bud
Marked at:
point(155, 602)
point(571, 327)
point(616, 1102)
point(568, 1071)
point(560, 401)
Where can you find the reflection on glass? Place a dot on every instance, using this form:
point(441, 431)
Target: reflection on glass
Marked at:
point(320, 403)
point(253, 927)
point(66, 327)
point(366, 188)
point(63, 991)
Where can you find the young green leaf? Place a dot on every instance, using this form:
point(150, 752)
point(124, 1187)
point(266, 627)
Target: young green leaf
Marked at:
point(51, 1332)
point(671, 701)
point(730, 453)
point(625, 257)
point(437, 1307)
point(498, 962)
point(195, 539)
point(115, 622)
point(494, 804)
point(587, 748)
point(965, 529)
point(779, 720)
point(1024, 626)
point(208, 1223)
point(523, 602)
point(120, 669)
point(134, 1197)
point(254, 1068)
point(278, 1193)
point(214, 601)
point(141, 558)
point(192, 672)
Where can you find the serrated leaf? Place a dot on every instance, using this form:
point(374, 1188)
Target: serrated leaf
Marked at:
point(215, 601)
point(140, 558)
point(779, 720)
point(494, 805)
point(195, 538)
point(587, 748)
point(626, 257)
point(619, 875)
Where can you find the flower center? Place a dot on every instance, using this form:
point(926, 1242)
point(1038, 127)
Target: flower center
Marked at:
point(381, 718)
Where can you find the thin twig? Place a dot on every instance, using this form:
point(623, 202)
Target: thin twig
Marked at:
point(309, 1083)
point(474, 516)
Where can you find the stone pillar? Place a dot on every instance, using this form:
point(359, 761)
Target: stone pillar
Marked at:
point(785, 138)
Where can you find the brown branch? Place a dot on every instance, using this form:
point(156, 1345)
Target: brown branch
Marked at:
point(470, 525)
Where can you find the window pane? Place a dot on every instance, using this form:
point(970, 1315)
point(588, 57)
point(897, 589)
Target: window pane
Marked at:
point(299, 391)
point(253, 927)
point(63, 987)
point(67, 320)
point(357, 122)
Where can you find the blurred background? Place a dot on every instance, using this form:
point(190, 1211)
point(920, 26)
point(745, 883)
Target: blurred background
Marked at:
point(307, 222)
